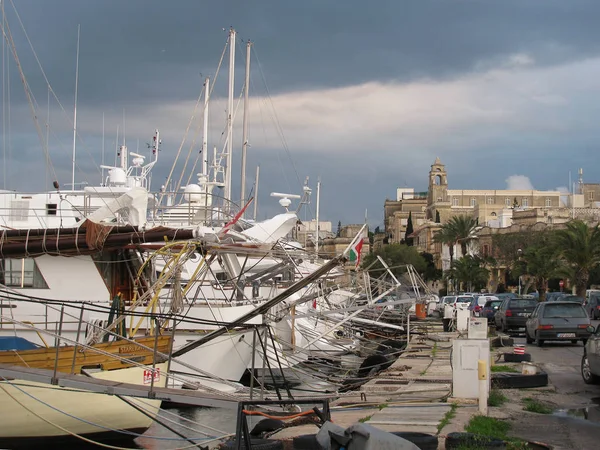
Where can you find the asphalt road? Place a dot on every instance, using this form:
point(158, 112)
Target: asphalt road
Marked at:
point(576, 421)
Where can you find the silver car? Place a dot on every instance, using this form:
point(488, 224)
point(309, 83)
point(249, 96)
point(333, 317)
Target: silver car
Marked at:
point(557, 321)
point(590, 363)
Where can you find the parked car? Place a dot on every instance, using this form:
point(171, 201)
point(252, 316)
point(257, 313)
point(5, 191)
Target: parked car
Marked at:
point(479, 302)
point(552, 296)
point(590, 363)
point(551, 321)
point(592, 307)
point(463, 301)
point(513, 313)
point(489, 310)
point(446, 300)
point(564, 297)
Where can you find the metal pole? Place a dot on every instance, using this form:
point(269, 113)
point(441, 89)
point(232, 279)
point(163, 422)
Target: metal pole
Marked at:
point(253, 362)
point(317, 217)
point(54, 380)
point(170, 353)
point(77, 338)
point(205, 132)
point(75, 110)
point(151, 394)
point(245, 123)
point(230, 115)
point(256, 192)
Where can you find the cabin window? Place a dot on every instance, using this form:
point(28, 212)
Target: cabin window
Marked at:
point(22, 273)
point(51, 209)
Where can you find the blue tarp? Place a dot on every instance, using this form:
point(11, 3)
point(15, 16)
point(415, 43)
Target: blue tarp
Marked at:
point(15, 343)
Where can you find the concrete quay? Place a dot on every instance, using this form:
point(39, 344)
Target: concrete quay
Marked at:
point(408, 396)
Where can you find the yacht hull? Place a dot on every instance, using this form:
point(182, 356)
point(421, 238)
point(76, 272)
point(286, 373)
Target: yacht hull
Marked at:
point(42, 411)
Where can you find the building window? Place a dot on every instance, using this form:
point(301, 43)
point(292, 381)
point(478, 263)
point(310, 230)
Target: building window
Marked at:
point(22, 273)
point(439, 199)
point(507, 202)
point(591, 195)
point(473, 201)
point(525, 202)
point(490, 200)
point(548, 203)
point(454, 201)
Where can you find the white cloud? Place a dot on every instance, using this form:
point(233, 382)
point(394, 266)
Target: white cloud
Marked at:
point(519, 182)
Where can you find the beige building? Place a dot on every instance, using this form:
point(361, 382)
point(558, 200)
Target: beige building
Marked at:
point(333, 246)
point(408, 202)
point(484, 204)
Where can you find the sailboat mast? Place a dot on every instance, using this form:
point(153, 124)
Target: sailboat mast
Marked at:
point(245, 122)
point(256, 192)
point(205, 130)
point(317, 216)
point(75, 110)
point(230, 115)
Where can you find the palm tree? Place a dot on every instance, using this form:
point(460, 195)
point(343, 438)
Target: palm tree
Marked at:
point(469, 272)
point(579, 247)
point(463, 228)
point(540, 262)
point(445, 236)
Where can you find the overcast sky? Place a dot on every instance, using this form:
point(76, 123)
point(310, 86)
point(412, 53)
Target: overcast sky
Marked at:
point(363, 95)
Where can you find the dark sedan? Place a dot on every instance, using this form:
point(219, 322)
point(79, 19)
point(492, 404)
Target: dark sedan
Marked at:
point(489, 309)
point(557, 321)
point(513, 313)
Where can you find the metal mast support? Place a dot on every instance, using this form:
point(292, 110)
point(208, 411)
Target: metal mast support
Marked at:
point(205, 131)
point(230, 115)
point(245, 123)
point(317, 217)
point(75, 110)
point(256, 192)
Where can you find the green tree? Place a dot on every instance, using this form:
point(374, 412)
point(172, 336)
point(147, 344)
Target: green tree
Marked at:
point(446, 236)
point(469, 272)
point(430, 273)
point(459, 229)
point(396, 256)
point(409, 230)
point(339, 229)
point(540, 262)
point(579, 247)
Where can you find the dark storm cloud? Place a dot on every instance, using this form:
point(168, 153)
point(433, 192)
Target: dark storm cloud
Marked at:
point(142, 49)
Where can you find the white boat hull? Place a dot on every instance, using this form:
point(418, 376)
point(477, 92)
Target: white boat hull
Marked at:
point(40, 410)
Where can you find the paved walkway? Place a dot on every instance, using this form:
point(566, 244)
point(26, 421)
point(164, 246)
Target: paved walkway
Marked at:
point(408, 396)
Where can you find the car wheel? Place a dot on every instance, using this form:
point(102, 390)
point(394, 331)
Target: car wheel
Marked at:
point(527, 338)
point(586, 372)
point(539, 342)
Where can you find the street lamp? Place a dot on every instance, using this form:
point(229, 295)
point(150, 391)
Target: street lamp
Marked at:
point(519, 253)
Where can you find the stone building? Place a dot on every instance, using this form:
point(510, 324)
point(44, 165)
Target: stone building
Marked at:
point(334, 246)
point(408, 202)
point(485, 205)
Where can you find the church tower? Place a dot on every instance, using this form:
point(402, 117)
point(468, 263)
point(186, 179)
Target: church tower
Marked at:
point(437, 197)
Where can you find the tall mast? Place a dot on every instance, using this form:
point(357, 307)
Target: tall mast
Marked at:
point(317, 216)
point(230, 115)
point(102, 168)
point(245, 122)
point(256, 191)
point(75, 110)
point(205, 131)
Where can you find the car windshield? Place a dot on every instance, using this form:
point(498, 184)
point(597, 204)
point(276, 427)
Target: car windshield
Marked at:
point(464, 299)
point(522, 303)
point(448, 299)
point(560, 310)
point(492, 303)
